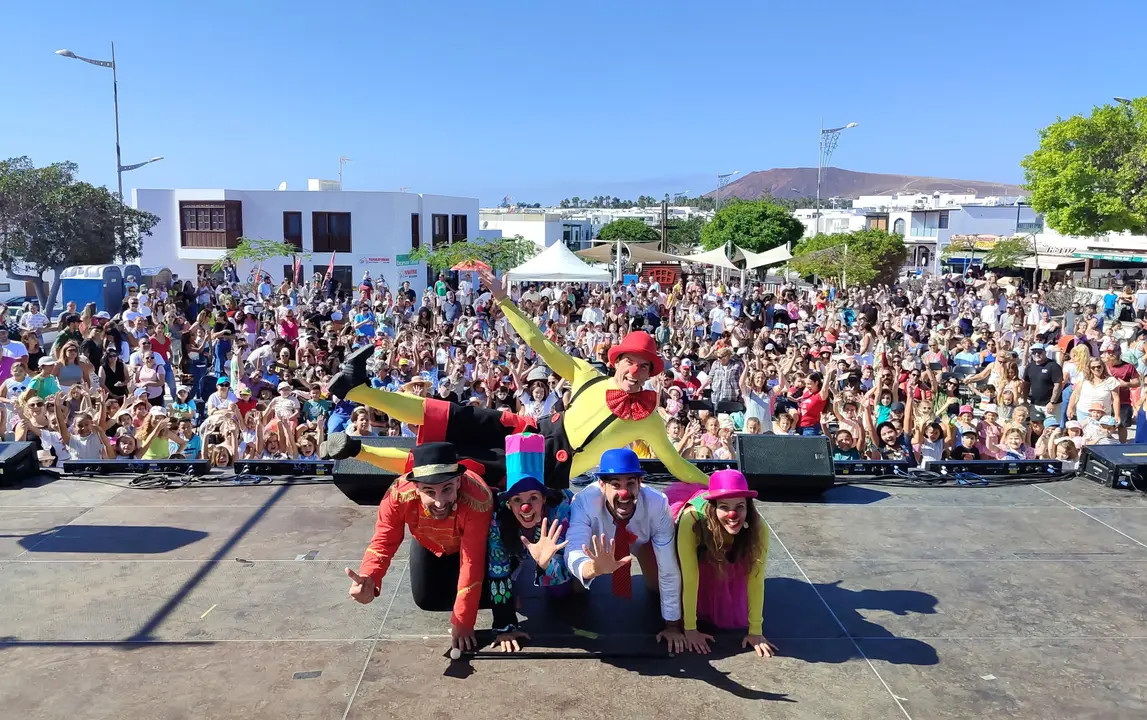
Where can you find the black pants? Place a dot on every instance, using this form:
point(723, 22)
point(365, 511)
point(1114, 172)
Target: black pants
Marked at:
point(434, 580)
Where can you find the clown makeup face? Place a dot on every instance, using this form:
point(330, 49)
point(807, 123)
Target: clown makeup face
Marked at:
point(621, 494)
point(731, 514)
point(528, 508)
point(438, 499)
point(631, 372)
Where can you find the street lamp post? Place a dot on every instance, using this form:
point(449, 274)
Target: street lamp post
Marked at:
point(120, 167)
point(722, 181)
point(828, 139)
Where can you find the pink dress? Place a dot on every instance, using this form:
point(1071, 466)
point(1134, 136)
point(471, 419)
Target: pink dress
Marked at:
point(722, 596)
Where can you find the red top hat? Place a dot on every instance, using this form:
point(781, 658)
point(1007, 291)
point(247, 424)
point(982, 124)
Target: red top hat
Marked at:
point(638, 343)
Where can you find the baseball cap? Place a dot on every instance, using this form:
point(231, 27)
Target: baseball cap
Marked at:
point(158, 411)
point(896, 407)
point(1108, 421)
point(825, 349)
point(1050, 422)
point(686, 362)
point(965, 409)
point(284, 386)
point(223, 381)
point(1038, 347)
point(182, 388)
point(1074, 425)
point(103, 315)
point(991, 408)
point(244, 391)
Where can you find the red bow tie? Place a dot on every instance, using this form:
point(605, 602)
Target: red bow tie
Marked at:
point(631, 406)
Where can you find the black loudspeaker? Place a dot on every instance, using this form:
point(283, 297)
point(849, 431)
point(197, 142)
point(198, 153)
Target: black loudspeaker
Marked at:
point(362, 482)
point(786, 464)
point(18, 462)
point(351, 470)
point(281, 468)
point(1123, 467)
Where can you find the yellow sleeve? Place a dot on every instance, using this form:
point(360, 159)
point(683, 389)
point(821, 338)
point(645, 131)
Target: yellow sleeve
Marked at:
point(687, 557)
point(757, 582)
point(677, 466)
point(554, 357)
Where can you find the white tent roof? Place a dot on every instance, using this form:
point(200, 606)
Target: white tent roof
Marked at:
point(558, 264)
point(776, 256)
point(715, 257)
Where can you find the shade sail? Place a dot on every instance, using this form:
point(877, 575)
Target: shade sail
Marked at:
point(715, 257)
point(638, 253)
point(557, 263)
point(776, 256)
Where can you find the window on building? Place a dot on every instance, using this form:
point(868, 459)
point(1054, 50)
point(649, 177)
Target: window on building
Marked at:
point(5, 287)
point(341, 275)
point(898, 226)
point(293, 228)
point(439, 230)
point(458, 227)
point(943, 218)
point(415, 231)
point(208, 224)
point(331, 231)
point(877, 222)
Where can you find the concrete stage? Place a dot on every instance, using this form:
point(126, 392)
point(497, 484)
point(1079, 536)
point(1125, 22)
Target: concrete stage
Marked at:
point(230, 602)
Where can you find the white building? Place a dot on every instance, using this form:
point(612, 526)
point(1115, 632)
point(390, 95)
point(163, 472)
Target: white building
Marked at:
point(542, 226)
point(372, 231)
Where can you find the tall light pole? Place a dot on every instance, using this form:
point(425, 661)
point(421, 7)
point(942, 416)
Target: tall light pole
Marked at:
point(1122, 100)
point(829, 137)
point(722, 181)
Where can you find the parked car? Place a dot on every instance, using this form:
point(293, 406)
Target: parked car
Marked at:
point(16, 306)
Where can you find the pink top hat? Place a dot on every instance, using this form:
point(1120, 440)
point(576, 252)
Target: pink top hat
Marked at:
point(725, 484)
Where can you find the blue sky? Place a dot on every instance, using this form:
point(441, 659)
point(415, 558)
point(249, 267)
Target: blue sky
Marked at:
point(547, 100)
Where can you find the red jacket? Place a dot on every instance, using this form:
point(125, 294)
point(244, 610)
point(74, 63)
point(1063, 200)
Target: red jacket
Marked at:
point(464, 531)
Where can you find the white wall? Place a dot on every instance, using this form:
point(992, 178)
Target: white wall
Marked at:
point(380, 228)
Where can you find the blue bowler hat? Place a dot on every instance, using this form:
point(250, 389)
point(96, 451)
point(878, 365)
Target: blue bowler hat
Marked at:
point(621, 461)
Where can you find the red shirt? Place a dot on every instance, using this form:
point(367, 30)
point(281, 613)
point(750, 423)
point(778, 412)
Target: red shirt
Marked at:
point(1123, 372)
point(465, 531)
point(812, 407)
point(161, 346)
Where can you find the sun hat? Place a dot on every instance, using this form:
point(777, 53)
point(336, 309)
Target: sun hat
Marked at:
point(727, 484)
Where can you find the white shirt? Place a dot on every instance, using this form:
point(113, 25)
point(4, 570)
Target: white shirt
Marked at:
point(651, 522)
point(13, 349)
point(136, 359)
point(592, 315)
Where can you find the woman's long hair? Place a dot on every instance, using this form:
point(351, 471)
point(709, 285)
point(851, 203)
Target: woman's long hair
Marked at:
point(724, 550)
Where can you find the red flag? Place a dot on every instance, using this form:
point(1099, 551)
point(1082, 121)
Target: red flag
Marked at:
point(331, 267)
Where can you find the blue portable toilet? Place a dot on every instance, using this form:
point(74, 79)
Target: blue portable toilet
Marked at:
point(131, 271)
point(99, 284)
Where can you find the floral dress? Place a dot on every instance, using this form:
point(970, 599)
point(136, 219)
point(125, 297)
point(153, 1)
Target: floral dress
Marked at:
point(502, 567)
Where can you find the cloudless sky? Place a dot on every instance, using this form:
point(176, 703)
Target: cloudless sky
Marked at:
point(544, 100)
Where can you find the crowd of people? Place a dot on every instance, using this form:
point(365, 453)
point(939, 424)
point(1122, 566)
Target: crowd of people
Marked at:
point(945, 368)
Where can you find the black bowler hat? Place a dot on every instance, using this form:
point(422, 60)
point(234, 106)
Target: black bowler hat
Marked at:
point(435, 463)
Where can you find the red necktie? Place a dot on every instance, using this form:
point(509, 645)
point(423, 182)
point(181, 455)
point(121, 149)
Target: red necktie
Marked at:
point(623, 576)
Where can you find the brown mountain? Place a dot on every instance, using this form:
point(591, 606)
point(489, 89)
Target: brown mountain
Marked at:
point(835, 182)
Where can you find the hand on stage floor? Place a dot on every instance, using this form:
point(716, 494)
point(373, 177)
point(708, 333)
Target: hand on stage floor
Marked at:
point(492, 283)
point(361, 587)
point(601, 559)
point(760, 645)
point(547, 545)
point(463, 638)
point(509, 641)
point(674, 638)
point(698, 641)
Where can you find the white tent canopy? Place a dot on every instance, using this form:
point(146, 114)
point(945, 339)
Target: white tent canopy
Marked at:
point(776, 256)
point(557, 263)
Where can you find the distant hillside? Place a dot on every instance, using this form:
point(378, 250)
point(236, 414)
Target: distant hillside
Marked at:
point(835, 182)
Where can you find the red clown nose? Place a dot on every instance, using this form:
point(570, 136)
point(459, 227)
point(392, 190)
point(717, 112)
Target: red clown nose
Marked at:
point(525, 508)
point(623, 495)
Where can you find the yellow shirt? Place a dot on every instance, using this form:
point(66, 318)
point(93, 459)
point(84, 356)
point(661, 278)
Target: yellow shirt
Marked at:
point(687, 544)
point(590, 409)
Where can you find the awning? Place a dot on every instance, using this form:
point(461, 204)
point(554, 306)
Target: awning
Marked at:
point(1049, 262)
point(638, 253)
point(776, 256)
point(1115, 255)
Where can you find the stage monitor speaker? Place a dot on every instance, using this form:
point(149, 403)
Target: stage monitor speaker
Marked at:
point(362, 482)
point(786, 464)
point(1123, 467)
point(136, 467)
point(996, 468)
point(18, 462)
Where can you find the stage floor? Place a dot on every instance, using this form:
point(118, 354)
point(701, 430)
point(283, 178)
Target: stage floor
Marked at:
point(230, 602)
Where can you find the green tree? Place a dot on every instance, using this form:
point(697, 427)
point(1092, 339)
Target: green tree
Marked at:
point(1089, 174)
point(686, 234)
point(630, 230)
point(757, 226)
point(501, 254)
point(867, 256)
point(50, 221)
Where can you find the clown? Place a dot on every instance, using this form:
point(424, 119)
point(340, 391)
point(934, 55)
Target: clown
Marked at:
point(529, 520)
point(605, 411)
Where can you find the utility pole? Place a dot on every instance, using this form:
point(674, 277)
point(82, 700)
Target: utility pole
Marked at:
point(664, 226)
